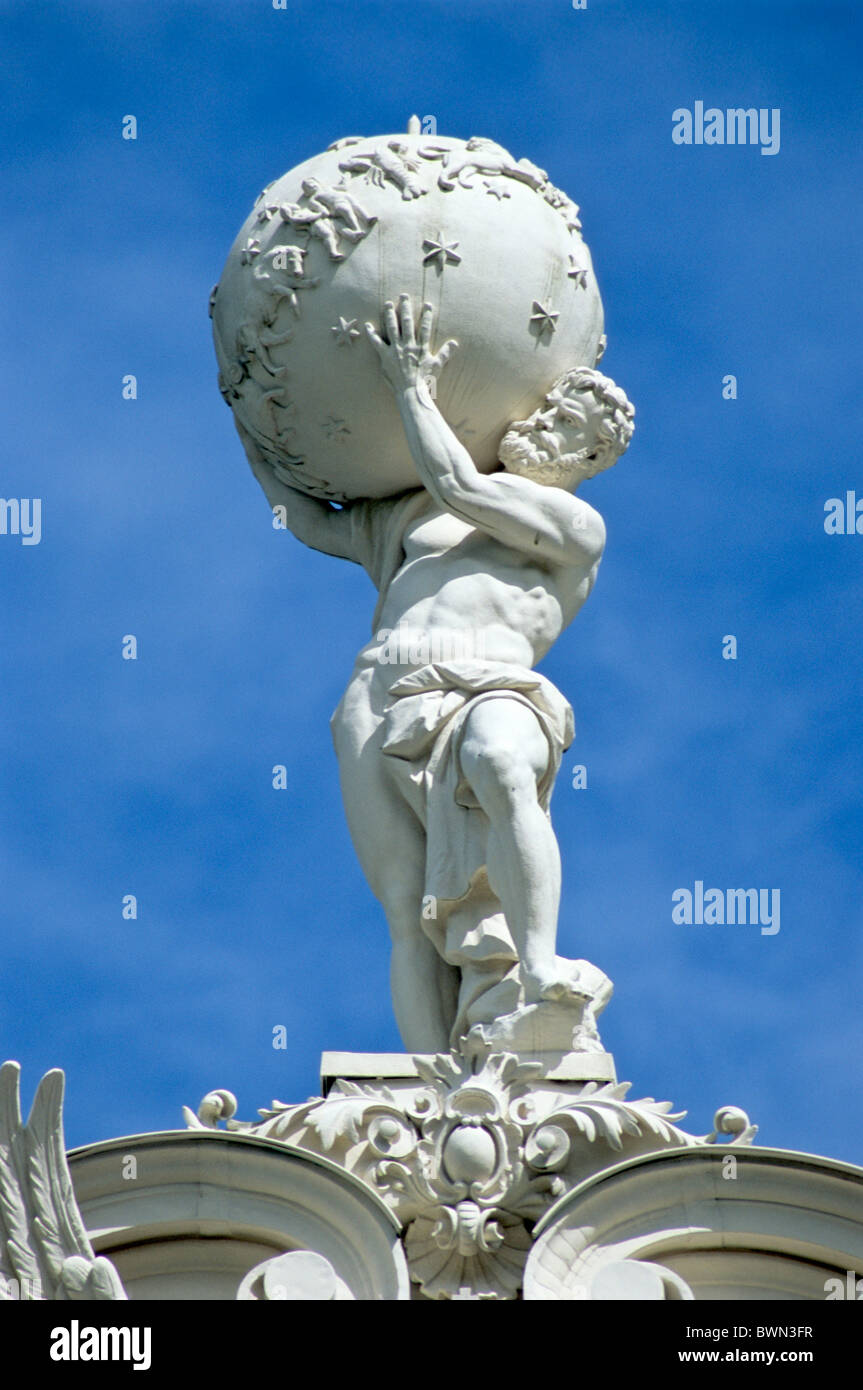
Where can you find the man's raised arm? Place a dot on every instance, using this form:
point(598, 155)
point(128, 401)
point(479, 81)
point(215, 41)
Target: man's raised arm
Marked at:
point(316, 523)
point(543, 521)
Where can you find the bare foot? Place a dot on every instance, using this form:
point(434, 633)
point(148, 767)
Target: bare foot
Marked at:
point(553, 989)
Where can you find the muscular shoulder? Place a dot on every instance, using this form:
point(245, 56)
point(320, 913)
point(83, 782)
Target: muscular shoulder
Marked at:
point(574, 518)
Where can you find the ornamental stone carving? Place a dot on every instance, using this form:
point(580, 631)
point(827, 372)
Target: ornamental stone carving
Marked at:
point(471, 1153)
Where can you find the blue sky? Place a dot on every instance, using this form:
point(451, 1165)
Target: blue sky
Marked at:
point(153, 777)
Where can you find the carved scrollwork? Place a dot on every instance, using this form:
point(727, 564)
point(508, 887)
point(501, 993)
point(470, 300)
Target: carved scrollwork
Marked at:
point(600, 1113)
point(730, 1119)
point(465, 1252)
point(215, 1106)
point(474, 1155)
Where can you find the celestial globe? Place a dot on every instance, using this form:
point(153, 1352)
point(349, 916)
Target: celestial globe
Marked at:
point(486, 239)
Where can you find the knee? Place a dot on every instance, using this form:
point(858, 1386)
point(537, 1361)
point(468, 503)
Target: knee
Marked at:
point(501, 773)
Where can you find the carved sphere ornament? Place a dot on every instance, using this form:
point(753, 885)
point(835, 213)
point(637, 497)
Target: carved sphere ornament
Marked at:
point(483, 237)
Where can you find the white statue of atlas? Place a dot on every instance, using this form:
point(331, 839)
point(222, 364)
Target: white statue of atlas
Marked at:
point(448, 740)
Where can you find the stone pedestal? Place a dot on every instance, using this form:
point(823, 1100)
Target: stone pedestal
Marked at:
point(466, 1176)
point(474, 1152)
point(394, 1068)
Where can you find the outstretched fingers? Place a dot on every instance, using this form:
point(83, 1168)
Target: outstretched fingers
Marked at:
point(399, 327)
point(425, 331)
point(375, 338)
point(406, 314)
point(446, 351)
point(407, 343)
point(391, 323)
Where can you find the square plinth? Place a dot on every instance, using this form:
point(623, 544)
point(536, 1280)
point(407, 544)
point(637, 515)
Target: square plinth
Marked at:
point(401, 1066)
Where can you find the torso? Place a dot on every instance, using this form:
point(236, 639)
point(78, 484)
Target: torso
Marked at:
point(460, 593)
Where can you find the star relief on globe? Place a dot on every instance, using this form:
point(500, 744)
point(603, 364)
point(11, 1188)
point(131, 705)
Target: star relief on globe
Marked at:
point(508, 276)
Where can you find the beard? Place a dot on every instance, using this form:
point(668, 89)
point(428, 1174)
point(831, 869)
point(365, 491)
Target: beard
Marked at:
point(520, 454)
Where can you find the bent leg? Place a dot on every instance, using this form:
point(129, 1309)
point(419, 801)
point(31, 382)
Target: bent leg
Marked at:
point(503, 754)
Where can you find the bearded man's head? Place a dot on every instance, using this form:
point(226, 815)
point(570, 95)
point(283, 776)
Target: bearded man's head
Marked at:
point(583, 426)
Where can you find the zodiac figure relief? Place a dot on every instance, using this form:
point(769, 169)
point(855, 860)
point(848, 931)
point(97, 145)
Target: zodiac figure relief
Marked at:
point(265, 408)
point(286, 262)
point(294, 473)
point(329, 214)
point(268, 414)
point(277, 274)
point(345, 141)
point(391, 162)
point(255, 341)
point(556, 198)
point(481, 156)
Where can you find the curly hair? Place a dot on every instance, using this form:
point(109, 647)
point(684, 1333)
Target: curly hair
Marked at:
point(616, 428)
point(518, 453)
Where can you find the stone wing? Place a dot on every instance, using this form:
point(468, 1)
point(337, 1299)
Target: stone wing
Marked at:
point(45, 1253)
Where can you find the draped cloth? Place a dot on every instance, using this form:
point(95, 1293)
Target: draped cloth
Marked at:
point(423, 726)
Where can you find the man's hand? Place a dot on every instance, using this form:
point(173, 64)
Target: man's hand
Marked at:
point(544, 522)
point(312, 521)
point(406, 357)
